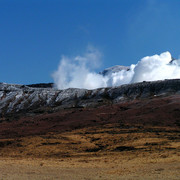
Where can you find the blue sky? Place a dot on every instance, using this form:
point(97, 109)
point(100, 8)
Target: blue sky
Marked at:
point(34, 34)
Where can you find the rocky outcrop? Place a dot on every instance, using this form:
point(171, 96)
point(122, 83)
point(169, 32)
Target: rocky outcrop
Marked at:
point(41, 85)
point(22, 98)
point(114, 69)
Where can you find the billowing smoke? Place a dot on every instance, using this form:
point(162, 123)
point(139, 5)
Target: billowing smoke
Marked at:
point(79, 72)
point(157, 67)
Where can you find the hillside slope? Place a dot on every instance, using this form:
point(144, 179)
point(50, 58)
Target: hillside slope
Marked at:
point(126, 132)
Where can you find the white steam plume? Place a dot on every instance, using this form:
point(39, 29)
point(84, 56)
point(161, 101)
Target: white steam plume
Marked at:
point(79, 72)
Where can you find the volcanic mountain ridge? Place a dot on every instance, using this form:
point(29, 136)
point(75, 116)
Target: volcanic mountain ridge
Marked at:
point(23, 98)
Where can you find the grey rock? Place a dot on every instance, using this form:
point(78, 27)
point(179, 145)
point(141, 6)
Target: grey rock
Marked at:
point(21, 98)
point(114, 69)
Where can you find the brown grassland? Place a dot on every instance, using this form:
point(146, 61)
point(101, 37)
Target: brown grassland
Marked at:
point(132, 140)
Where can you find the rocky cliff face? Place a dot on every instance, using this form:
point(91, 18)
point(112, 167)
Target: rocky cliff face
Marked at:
point(21, 98)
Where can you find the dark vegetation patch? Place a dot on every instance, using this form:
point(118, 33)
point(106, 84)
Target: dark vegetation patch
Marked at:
point(50, 143)
point(10, 143)
point(5, 143)
point(124, 148)
point(151, 144)
point(93, 149)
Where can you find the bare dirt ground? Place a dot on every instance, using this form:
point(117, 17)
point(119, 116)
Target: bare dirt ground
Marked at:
point(135, 140)
point(106, 167)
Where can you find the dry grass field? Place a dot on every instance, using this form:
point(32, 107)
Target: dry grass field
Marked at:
point(93, 153)
point(136, 140)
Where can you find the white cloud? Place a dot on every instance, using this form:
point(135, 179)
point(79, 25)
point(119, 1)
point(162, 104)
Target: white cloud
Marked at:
point(79, 72)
